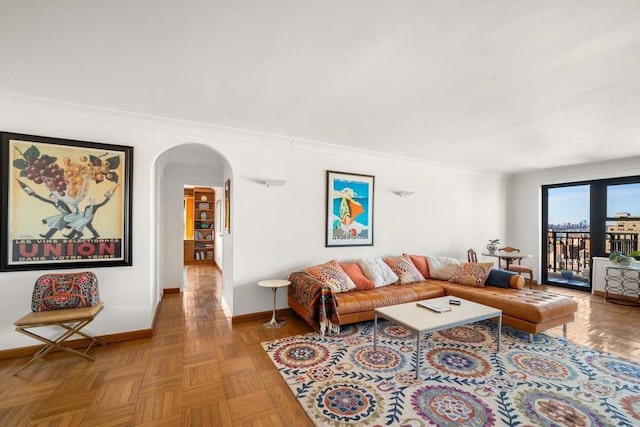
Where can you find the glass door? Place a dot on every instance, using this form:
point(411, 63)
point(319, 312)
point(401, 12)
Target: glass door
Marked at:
point(567, 241)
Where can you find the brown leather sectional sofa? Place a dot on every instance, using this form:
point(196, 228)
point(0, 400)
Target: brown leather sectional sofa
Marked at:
point(529, 310)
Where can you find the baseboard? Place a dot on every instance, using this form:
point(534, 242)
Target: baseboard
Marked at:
point(266, 315)
point(79, 343)
point(617, 297)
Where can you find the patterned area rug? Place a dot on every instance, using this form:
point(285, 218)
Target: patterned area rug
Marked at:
point(339, 380)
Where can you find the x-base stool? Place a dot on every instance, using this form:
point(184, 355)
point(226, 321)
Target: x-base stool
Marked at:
point(72, 320)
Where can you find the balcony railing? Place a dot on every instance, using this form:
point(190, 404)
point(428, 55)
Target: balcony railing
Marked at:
point(571, 250)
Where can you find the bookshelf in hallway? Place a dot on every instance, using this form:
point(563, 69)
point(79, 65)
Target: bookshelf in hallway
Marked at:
point(203, 225)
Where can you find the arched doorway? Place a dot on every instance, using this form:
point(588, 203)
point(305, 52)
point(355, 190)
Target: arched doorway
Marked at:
point(186, 164)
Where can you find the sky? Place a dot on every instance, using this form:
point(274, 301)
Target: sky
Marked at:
point(571, 204)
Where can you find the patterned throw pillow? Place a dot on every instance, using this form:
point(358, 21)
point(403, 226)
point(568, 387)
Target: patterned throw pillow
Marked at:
point(441, 267)
point(59, 291)
point(421, 264)
point(377, 271)
point(355, 273)
point(472, 273)
point(404, 269)
point(332, 275)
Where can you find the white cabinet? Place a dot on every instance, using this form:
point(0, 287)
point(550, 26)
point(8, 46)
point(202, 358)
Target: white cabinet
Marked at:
point(598, 282)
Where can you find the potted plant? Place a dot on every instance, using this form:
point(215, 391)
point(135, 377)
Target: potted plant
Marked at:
point(492, 246)
point(619, 258)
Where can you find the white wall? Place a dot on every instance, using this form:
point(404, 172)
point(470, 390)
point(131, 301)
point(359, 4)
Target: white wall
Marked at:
point(524, 218)
point(274, 231)
point(280, 229)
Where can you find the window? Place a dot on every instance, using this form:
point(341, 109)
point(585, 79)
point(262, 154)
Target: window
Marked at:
point(623, 217)
point(586, 219)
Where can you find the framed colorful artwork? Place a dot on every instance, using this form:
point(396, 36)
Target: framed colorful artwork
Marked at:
point(349, 209)
point(227, 206)
point(65, 203)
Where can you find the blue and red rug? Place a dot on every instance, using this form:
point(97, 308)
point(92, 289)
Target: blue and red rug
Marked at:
point(340, 380)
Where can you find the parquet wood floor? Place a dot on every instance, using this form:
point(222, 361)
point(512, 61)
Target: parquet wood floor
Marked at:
point(200, 370)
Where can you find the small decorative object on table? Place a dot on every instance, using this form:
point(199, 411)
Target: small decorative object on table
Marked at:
point(619, 258)
point(434, 307)
point(493, 245)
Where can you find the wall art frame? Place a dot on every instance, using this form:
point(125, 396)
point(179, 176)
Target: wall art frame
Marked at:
point(349, 209)
point(227, 206)
point(65, 203)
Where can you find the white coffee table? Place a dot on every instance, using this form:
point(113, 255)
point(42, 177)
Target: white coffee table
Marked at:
point(420, 319)
point(274, 284)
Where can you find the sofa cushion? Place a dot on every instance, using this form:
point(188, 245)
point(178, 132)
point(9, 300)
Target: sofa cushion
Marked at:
point(404, 269)
point(355, 273)
point(332, 275)
point(441, 267)
point(472, 273)
point(421, 264)
point(516, 282)
point(504, 279)
point(377, 271)
point(367, 301)
point(527, 305)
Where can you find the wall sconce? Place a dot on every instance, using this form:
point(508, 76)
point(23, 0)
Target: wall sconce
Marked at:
point(403, 193)
point(274, 182)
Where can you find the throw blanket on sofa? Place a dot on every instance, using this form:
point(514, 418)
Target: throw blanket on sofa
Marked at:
point(318, 300)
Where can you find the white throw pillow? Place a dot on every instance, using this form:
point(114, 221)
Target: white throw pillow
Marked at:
point(441, 267)
point(377, 271)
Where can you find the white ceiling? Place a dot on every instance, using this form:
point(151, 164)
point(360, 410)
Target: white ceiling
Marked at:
point(497, 85)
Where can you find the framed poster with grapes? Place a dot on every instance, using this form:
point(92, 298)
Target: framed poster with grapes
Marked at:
point(65, 203)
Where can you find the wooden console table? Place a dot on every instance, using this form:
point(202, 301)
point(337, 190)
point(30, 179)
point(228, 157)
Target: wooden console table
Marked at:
point(623, 283)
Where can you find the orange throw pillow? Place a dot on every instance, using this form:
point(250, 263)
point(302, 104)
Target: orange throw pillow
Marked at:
point(355, 273)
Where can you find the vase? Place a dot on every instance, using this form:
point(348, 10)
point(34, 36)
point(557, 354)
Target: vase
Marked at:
point(626, 261)
point(491, 248)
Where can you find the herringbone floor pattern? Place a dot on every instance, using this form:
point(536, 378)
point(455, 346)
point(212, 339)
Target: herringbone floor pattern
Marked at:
point(200, 370)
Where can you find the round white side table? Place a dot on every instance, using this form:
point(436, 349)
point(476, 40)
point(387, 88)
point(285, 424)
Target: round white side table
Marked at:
point(274, 284)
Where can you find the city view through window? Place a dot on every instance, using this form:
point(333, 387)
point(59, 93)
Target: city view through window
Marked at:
point(569, 247)
point(569, 206)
